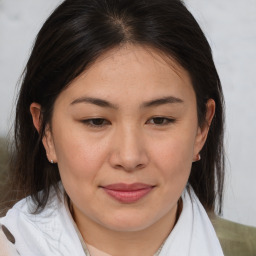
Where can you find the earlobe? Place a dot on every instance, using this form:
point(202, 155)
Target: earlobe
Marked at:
point(49, 145)
point(47, 140)
point(203, 130)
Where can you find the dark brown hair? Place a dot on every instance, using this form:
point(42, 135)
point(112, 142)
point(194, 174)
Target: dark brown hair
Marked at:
point(71, 39)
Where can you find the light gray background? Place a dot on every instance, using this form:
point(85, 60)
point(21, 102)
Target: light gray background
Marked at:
point(230, 27)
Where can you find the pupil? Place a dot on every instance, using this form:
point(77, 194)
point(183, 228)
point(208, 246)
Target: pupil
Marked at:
point(98, 121)
point(158, 120)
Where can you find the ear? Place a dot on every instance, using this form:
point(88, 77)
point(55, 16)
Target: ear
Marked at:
point(47, 140)
point(203, 130)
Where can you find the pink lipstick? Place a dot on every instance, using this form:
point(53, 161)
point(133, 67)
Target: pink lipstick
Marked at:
point(128, 193)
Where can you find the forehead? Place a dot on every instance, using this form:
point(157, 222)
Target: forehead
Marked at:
point(132, 71)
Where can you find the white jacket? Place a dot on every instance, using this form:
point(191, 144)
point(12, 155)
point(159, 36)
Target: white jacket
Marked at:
point(52, 232)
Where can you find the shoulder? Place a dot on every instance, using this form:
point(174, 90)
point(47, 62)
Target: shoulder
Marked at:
point(31, 233)
point(7, 243)
point(22, 214)
point(235, 239)
point(49, 232)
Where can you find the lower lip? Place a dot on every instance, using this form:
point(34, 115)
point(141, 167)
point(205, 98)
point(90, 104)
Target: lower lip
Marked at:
point(131, 196)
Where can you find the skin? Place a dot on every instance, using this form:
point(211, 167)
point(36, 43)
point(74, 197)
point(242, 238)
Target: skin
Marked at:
point(138, 140)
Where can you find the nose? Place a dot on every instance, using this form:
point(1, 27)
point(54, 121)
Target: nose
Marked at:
point(129, 150)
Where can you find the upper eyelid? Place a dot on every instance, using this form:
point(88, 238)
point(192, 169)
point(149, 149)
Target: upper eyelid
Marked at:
point(94, 118)
point(168, 119)
point(88, 120)
point(153, 117)
point(163, 117)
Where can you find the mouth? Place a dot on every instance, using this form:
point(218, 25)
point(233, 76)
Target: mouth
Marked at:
point(128, 193)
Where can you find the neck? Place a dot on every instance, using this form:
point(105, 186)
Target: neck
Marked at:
point(103, 241)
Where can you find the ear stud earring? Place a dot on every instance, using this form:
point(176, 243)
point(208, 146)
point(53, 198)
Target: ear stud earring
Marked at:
point(51, 161)
point(197, 158)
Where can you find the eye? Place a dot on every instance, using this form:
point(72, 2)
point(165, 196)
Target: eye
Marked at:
point(96, 122)
point(160, 121)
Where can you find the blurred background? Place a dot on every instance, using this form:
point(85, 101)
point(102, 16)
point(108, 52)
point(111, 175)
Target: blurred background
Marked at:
point(230, 27)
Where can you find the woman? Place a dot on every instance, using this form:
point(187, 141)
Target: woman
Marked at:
point(119, 134)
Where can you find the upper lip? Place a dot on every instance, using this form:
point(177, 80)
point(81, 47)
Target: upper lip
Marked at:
point(127, 187)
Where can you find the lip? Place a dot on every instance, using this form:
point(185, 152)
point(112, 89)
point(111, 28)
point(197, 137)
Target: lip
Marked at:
point(128, 193)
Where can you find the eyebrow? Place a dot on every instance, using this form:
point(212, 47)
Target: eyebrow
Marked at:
point(162, 101)
point(95, 101)
point(104, 103)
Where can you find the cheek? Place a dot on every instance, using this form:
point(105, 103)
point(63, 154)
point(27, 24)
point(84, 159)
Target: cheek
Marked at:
point(78, 156)
point(173, 158)
point(79, 163)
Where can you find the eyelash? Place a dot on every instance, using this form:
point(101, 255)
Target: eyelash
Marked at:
point(89, 122)
point(165, 120)
point(101, 122)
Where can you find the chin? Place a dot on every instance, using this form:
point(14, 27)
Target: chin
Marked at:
point(129, 222)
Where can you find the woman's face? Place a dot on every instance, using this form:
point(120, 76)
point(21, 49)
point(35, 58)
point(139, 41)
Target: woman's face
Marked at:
point(124, 135)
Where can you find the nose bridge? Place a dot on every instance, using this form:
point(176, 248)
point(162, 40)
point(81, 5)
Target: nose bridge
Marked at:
point(131, 140)
point(129, 148)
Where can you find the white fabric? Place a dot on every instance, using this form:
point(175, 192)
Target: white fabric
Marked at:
point(52, 233)
point(193, 235)
point(6, 247)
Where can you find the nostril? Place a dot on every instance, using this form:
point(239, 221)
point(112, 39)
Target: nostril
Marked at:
point(129, 167)
point(140, 166)
point(119, 166)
